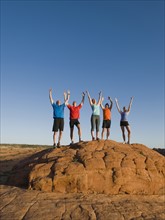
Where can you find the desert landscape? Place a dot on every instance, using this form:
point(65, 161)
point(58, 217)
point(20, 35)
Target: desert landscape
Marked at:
point(97, 180)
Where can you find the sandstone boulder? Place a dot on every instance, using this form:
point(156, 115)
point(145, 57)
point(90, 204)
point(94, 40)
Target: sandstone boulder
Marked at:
point(105, 167)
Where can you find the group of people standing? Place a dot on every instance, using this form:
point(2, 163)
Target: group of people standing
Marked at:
point(58, 115)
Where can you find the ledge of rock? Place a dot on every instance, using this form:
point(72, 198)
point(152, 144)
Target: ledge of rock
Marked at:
point(105, 167)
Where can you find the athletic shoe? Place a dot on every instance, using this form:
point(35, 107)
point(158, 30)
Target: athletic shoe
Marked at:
point(54, 146)
point(58, 145)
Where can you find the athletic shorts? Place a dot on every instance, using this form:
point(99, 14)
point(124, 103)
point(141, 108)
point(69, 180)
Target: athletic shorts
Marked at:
point(58, 124)
point(124, 123)
point(106, 124)
point(74, 122)
point(95, 122)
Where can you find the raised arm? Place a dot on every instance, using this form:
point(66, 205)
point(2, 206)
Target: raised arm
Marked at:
point(110, 102)
point(130, 104)
point(117, 105)
point(83, 98)
point(100, 98)
point(101, 104)
point(50, 96)
point(67, 97)
point(90, 100)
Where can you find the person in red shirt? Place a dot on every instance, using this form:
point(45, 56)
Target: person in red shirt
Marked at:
point(74, 116)
point(106, 117)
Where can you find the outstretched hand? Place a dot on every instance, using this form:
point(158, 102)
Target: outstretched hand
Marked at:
point(109, 98)
point(50, 90)
point(68, 92)
point(116, 100)
point(83, 93)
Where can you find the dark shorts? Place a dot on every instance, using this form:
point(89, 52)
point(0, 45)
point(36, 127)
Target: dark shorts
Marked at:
point(106, 124)
point(74, 122)
point(58, 124)
point(124, 123)
point(95, 122)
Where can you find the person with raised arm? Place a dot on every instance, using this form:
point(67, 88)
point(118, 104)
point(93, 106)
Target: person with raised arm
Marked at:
point(58, 115)
point(106, 117)
point(74, 117)
point(124, 121)
point(95, 117)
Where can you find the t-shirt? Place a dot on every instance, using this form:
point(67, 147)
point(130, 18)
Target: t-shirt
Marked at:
point(124, 116)
point(58, 110)
point(74, 111)
point(106, 114)
point(95, 109)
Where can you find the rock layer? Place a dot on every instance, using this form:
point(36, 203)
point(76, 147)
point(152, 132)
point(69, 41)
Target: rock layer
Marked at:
point(106, 167)
point(20, 204)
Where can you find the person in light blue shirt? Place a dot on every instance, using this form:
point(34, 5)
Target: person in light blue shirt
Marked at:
point(58, 115)
point(124, 121)
point(95, 117)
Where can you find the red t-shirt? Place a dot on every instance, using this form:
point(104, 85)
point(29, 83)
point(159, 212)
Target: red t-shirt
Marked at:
point(74, 111)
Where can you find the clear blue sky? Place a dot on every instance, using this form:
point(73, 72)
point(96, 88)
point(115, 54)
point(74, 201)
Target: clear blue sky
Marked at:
point(113, 46)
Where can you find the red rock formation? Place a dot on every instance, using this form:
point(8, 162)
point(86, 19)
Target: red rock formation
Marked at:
point(105, 167)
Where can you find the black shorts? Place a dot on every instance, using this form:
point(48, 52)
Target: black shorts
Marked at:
point(58, 124)
point(74, 122)
point(124, 123)
point(106, 124)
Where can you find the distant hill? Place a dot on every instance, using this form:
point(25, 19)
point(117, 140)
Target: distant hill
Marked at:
point(160, 150)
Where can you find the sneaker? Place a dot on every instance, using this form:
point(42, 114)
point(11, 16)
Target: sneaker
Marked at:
point(54, 146)
point(124, 142)
point(80, 140)
point(72, 142)
point(58, 144)
point(93, 138)
point(97, 139)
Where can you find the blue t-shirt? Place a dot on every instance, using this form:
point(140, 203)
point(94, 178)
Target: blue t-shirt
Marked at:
point(95, 109)
point(124, 116)
point(58, 110)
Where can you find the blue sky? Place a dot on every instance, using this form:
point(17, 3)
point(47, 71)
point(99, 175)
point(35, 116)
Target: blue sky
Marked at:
point(113, 46)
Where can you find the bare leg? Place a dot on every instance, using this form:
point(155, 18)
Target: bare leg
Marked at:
point(108, 133)
point(54, 137)
point(59, 137)
point(79, 131)
point(123, 133)
point(97, 135)
point(92, 134)
point(102, 134)
point(129, 133)
point(71, 133)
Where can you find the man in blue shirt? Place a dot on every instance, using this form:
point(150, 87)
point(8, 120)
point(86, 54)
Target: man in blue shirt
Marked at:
point(58, 115)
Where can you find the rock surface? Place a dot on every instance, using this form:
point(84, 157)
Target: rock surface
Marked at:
point(22, 204)
point(105, 167)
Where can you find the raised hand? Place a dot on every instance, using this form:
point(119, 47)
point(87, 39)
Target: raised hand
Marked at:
point(109, 98)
